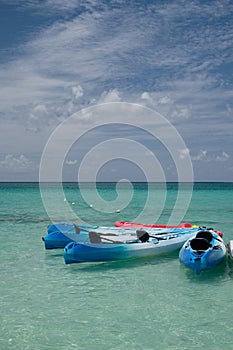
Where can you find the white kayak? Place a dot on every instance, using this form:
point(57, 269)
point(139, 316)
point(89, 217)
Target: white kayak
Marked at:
point(60, 234)
point(109, 247)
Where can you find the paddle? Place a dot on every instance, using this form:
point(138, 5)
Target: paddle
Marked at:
point(77, 229)
point(95, 237)
point(142, 235)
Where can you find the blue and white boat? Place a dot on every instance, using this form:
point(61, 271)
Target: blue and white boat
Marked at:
point(203, 252)
point(62, 233)
point(111, 247)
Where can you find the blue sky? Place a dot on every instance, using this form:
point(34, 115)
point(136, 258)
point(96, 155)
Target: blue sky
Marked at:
point(60, 56)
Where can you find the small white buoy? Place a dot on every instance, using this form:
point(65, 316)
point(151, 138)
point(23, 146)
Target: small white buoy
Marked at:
point(117, 211)
point(91, 205)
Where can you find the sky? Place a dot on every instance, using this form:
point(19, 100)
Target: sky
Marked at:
point(113, 64)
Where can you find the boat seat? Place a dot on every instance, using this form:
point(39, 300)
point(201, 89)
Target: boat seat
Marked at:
point(94, 237)
point(142, 235)
point(200, 244)
point(205, 234)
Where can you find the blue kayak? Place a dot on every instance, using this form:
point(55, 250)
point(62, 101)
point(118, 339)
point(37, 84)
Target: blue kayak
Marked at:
point(203, 252)
point(62, 233)
point(141, 244)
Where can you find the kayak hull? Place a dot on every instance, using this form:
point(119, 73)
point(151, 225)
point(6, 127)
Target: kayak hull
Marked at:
point(62, 233)
point(77, 252)
point(55, 240)
point(197, 255)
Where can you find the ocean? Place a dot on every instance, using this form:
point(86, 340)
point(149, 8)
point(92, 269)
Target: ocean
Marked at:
point(149, 303)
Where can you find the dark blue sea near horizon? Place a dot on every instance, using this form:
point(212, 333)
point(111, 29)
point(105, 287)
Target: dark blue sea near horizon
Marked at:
point(147, 304)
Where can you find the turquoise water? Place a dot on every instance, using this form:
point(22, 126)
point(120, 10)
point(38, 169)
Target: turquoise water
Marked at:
point(152, 303)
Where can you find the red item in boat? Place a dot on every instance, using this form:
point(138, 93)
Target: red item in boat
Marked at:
point(136, 224)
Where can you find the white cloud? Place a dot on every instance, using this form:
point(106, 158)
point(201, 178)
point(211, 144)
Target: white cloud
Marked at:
point(38, 118)
point(184, 153)
point(71, 162)
point(200, 156)
point(222, 157)
point(205, 156)
point(164, 100)
point(77, 92)
point(100, 47)
point(110, 96)
point(146, 96)
point(15, 163)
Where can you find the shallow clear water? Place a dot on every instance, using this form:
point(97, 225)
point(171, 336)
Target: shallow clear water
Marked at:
point(152, 303)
